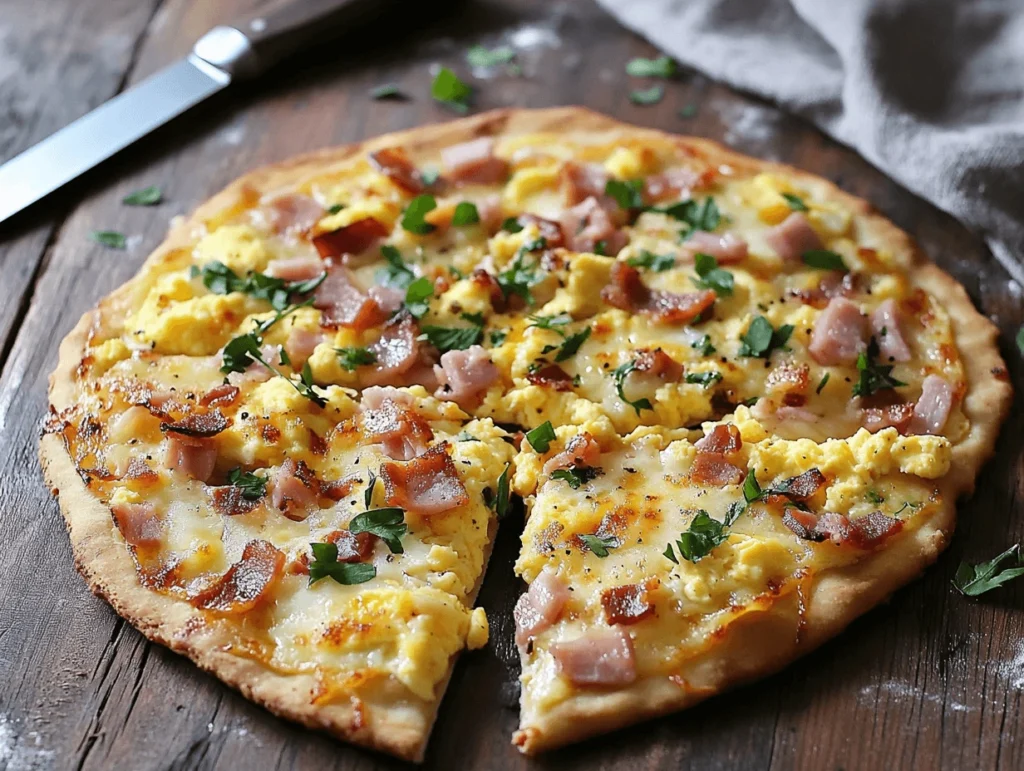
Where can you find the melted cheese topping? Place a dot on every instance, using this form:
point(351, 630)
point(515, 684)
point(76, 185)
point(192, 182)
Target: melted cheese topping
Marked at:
point(406, 623)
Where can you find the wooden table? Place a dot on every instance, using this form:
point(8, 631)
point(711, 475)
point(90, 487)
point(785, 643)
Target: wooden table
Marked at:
point(931, 680)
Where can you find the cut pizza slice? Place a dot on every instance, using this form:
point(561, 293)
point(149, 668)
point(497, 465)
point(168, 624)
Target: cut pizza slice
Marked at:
point(662, 570)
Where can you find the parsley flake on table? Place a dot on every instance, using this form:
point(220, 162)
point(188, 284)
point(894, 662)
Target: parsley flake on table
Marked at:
point(413, 218)
point(662, 67)
point(972, 580)
point(647, 96)
point(450, 91)
point(824, 259)
point(480, 56)
point(599, 544)
point(710, 276)
point(325, 564)
point(465, 214)
point(575, 476)
point(387, 91)
point(703, 535)
point(620, 374)
point(148, 196)
point(109, 238)
point(659, 263)
point(387, 524)
point(1020, 340)
point(628, 194)
point(353, 358)
point(873, 376)
point(252, 486)
point(541, 437)
point(761, 338)
point(688, 111)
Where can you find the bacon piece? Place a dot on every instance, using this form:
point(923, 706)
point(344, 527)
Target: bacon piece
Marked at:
point(354, 238)
point(397, 351)
point(139, 524)
point(229, 501)
point(587, 224)
point(839, 334)
point(659, 364)
point(302, 342)
point(933, 407)
point(727, 248)
point(296, 268)
point(344, 304)
point(427, 485)
point(626, 604)
point(629, 293)
point(294, 488)
point(791, 382)
point(394, 163)
point(793, 237)
point(464, 375)
point(490, 284)
point(197, 424)
point(356, 547)
point(581, 450)
point(293, 213)
point(246, 584)
point(384, 416)
point(898, 416)
point(582, 181)
point(723, 440)
point(551, 376)
point(885, 323)
point(803, 523)
point(549, 229)
point(491, 215)
point(862, 532)
point(676, 184)
point(799, 488)
point(601, 657)
point(541, 606)
point(475, 162)
point(712, 468)
point(191, 455)
point(832, 284)
point(220, 396)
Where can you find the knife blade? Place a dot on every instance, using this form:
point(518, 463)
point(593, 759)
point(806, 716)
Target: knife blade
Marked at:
point(242, 50)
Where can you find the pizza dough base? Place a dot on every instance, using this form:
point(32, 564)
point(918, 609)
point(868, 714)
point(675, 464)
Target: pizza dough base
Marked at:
point(756, 645)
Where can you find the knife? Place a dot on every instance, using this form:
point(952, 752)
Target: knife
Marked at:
point(240, 50)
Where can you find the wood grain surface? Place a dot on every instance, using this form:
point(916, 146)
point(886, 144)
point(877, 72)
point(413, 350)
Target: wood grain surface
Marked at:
point(931, 680)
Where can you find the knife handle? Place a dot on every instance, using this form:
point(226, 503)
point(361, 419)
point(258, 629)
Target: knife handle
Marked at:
point(252, 44)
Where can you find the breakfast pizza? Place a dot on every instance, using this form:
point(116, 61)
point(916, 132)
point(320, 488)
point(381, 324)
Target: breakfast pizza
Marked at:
point(736, 406)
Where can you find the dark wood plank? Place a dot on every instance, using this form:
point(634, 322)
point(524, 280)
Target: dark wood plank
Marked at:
point(930, 680)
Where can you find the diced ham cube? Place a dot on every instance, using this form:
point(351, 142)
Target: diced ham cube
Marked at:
point(352, 239)
point(601, 657)
point(727, 248)
point(886, 323)
point(793, 237)
point(139, 524)
point(587, 227)
point(397, 351)
point(723, 439)
point(344, 304)
point(933, 407)
point(840, 333)
point(581, 451)
point(626, 604)
point(395, 164)
point(292, 213)
point(192, 456)
point(474, 162)
point(541, 606)
point(464, 375)
point(296, 268)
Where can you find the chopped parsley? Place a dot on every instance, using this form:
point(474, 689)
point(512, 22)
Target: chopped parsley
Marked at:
point(541, 437)
point(703, 345)
point(148, 196)
point(371, 483)
point(599, 544)
point(710, 276)
point(387, 91)
point(973, 580)
point(501, 502)
point(688, 111)
point(703, 535)
point(570, 343)
point(220, 279)
point(823, 382)
point(703, 215)
point(761, 338)
point(109, 238)
point(498, 336)
point(413, 217)
point(519, 277)
point(335, 208)
point(252, 486)
point(659, 263)
point(353, 358)
point(418, 295)
point(647, 96)
point(575, 476)
point(873, 376)
point(620, 375)
point(450, 91)
point(823, 259)
point(325, 564)
point(479, 56)
point(465, 214)
point(387, 524)
point(662, 67)
point(874, 498)
point(511, 225)
point(452, 338)
point(795, 202)
point(429, 176)
point(551, 322)
point(706, 379)
point(627, 194)
point(465, 436)
point(396, 273)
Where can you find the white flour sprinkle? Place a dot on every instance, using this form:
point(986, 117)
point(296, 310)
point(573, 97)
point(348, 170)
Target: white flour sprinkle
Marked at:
point(746, 124)
point(22, 756)
point(530, 42)
point(903, 690)
point(1013, 670)
point(535, 36)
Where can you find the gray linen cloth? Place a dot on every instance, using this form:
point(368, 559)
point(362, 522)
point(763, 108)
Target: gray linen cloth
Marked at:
point(929, 91)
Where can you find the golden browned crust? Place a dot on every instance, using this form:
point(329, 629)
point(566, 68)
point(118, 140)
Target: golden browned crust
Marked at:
point(757, 644)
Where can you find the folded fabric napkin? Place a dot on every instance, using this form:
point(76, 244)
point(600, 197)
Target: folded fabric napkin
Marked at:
point(929, 91)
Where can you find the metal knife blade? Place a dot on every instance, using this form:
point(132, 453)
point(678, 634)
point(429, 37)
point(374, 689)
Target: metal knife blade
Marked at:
point(112, 126)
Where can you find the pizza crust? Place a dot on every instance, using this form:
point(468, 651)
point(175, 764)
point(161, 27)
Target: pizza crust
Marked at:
point(755, 645)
